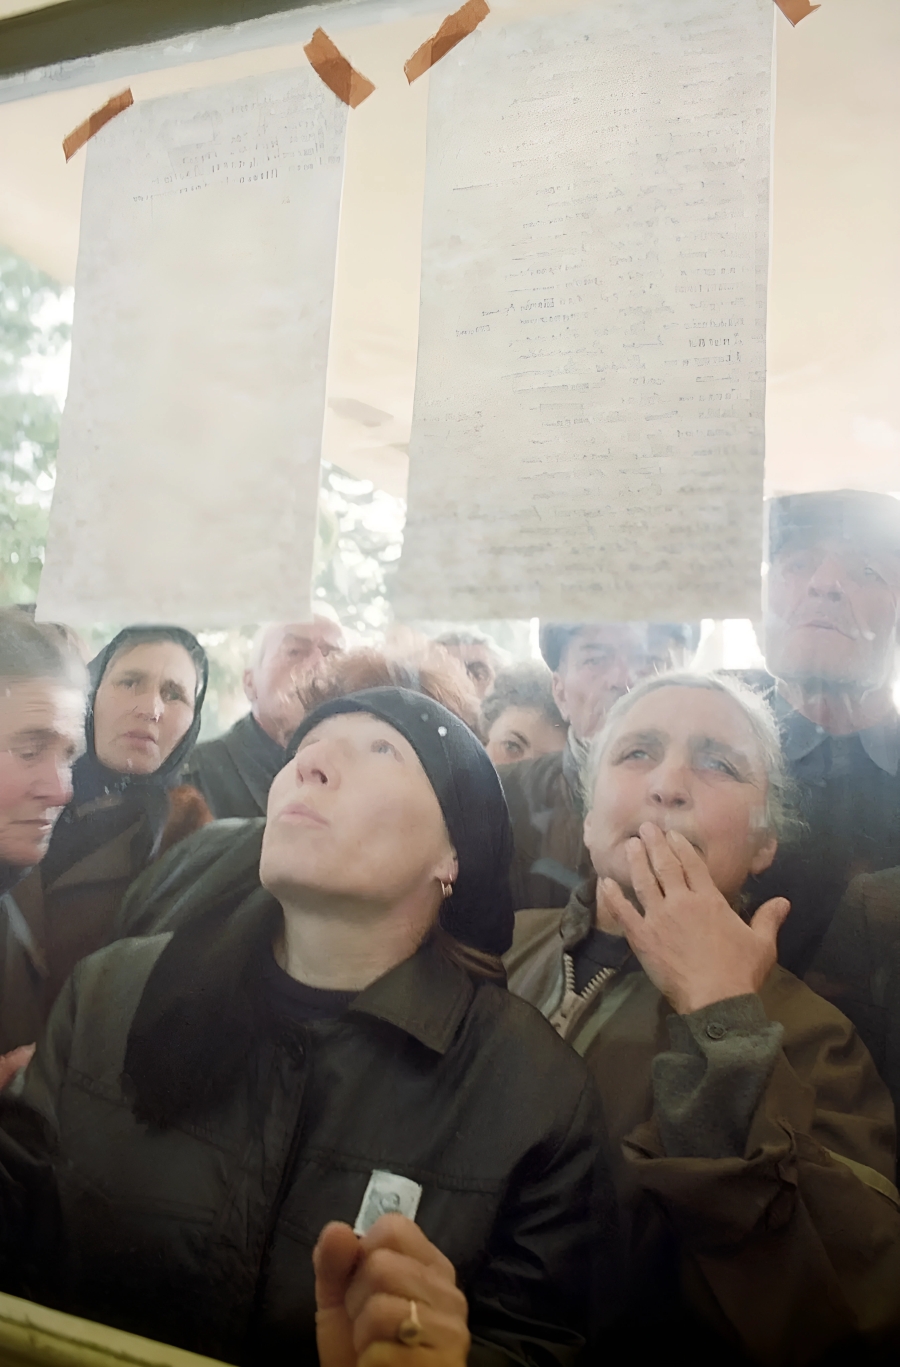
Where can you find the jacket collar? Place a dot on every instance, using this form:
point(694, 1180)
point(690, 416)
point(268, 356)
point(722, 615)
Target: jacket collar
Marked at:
point(578, 917)
point(257, 757)
point(800, 737)
point(10, 875)
point(426, 996)
point(574, 757)
point(201, 1007)
point(578, 921)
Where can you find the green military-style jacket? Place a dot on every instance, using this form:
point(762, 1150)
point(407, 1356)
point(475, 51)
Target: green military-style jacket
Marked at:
point(755, 1151)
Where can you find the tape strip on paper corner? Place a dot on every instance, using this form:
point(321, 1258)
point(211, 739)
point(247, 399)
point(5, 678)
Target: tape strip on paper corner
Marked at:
point(85, 131)
point(332, 67)
point(453, 30)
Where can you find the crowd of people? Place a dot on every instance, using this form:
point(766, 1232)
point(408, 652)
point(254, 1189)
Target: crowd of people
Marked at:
point(450, 1009)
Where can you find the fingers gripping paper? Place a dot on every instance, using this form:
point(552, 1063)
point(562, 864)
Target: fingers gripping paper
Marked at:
point(188, 468)
point(588, 427)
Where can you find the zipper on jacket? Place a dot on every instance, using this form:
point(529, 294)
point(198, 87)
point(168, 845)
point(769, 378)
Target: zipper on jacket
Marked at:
point(573, 1003)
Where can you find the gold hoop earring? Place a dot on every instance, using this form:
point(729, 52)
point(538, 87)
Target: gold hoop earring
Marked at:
point(446, 889)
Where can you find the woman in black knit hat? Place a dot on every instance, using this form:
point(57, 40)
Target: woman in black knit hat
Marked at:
point(319, 1098)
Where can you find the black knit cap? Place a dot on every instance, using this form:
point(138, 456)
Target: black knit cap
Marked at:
point(479, 913)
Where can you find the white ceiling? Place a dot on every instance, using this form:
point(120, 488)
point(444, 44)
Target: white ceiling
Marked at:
point(833, 408)
point(10, 7)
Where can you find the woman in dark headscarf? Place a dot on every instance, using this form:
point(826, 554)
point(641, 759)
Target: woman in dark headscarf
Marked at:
point(146, 692)
point(318, 1097)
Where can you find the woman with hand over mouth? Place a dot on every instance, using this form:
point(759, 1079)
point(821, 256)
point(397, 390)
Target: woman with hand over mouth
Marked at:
point(756, 1139)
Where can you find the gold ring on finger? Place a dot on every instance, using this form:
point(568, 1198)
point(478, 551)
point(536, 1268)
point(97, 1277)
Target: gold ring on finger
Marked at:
point(409, 1332)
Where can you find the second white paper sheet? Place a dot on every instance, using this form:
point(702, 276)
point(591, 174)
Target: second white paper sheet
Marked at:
point(188, 473)
point(588, 429)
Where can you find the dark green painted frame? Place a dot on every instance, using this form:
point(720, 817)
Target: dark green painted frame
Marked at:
point(82, 28)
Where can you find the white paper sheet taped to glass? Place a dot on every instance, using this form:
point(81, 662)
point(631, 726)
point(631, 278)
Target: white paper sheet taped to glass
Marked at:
point(188, 471)
point(588, 429)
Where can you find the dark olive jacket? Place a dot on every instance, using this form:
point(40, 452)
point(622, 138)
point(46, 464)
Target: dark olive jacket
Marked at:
point(549, 859)
point(46, 927)
point(234, 772)
point(221, 860)
point(858, 968)
point(192, 1193)
point(756, 1158)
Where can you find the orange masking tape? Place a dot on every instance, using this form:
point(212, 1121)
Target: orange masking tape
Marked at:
point(80, 135)
point(331, 66)
point(452, 31)
point(795, 10)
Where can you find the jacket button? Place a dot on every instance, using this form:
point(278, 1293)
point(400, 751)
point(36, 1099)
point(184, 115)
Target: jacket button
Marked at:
point(715, 1030)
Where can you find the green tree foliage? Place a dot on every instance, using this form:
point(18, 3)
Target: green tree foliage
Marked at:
point(29, 423)
point(358, 546)
point(359, 527)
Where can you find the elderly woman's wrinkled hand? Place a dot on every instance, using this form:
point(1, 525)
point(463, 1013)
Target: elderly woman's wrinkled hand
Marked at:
point(692, 945)
point(389, 1299)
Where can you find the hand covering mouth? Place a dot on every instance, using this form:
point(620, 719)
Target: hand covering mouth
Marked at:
point(665, 827)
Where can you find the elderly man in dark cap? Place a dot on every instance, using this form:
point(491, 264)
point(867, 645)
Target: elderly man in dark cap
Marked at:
point(593, 664)
point(830, 638)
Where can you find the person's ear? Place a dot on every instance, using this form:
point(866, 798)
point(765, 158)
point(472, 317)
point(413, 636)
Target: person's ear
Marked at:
point(249, 686)
point(559, 694)
point(448, 869)
point(765, 853)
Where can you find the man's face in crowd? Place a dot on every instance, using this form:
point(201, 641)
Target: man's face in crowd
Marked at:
point(685, 759)
point(41, 735)
point(598, 665)
point(292, 652)
point(354, 816)
point(831, 615)
point(479, 663)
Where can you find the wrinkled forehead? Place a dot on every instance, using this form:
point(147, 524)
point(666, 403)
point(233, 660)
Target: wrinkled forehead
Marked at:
point(290, 633)
point(624, 636)
point(803, 552)
point(160, 656)
point(47, 703)
point(694, 716)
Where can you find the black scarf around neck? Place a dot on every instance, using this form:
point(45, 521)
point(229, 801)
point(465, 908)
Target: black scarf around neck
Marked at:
point(199, 1021)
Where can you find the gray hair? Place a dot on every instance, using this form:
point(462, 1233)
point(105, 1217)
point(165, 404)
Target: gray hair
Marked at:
point(780, 816)
point(323, 612)
point(38, 650)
